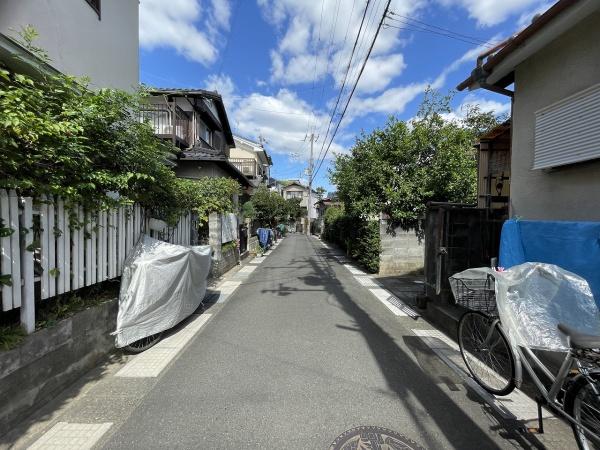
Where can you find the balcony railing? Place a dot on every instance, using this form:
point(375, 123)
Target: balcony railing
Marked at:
point(245, 165)
point(169, 122)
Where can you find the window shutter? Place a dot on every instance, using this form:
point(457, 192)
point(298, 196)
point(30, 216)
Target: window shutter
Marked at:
point(568, 131)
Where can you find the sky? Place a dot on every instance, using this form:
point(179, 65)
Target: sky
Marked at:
point(280, 65)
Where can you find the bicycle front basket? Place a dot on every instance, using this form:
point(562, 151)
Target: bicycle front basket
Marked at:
point(475, 294)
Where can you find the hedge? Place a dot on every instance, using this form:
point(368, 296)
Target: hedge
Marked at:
point(357, 236)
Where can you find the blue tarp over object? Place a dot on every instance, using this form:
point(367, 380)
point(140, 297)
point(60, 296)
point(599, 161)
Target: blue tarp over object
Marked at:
point(574, 246)
point(263, 236)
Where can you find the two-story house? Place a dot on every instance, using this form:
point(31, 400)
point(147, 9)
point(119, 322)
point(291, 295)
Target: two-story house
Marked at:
point(551, 72)
point(295, 189)
point(196, 122)
point(91, 38)
point(251, 158)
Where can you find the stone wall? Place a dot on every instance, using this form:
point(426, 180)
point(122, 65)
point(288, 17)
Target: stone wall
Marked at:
point(402, 252)
point(229, 259)
point(53, 358)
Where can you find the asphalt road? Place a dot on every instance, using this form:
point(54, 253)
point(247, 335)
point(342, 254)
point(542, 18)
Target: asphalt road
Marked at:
point(300, 353)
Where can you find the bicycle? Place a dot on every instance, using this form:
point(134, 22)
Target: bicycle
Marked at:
point(574, 393)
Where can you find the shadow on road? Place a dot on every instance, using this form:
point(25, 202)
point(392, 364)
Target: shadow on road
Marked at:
point(404, 377)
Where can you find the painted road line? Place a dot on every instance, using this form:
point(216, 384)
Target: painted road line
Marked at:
point(71, 436)
point(367, 281)
point(516, 405)
point(152, 362)
point(257, 260)
point(354, 270)
point(247, 270)
point(227, 288)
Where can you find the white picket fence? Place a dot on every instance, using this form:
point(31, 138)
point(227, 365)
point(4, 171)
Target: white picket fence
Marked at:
point(71, 257)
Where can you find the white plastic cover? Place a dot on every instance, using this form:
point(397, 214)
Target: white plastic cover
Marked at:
point(533, 298)
point(161, 285)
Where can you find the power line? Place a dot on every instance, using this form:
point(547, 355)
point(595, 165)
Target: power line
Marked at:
point(345, 36)
point(383, 16)
point(345, 78)
point(447, 30)
point(413, 27)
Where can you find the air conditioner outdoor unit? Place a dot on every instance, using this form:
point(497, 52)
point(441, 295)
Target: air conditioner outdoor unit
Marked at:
point(246, 170)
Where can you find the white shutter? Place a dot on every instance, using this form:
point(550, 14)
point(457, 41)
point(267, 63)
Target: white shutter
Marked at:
point(568, 131)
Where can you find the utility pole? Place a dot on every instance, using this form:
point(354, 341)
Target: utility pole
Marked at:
point(313, 139)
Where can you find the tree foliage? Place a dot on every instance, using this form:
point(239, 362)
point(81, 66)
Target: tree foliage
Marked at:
point(398, 169)
point(269, 207)
point(57, 137)
point(359, 237)
point(293, 209)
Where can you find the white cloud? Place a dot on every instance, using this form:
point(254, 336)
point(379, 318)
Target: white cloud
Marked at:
point(178, 24)
point(282, 119)
point(395, 99)
point(527, 16)
point(485, 105)
point(492, 12)
point(224, 85)
point(316, 39)
point(221, 12)
point(379, 71)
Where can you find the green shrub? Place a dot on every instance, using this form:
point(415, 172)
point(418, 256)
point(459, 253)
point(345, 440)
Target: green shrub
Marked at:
point(357, 236)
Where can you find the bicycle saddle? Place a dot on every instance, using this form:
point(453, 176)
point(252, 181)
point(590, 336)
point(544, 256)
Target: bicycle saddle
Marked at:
point(579, 340)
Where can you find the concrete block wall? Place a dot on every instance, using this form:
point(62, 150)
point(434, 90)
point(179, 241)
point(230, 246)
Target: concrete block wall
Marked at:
point(51, 359)
point(402, 252)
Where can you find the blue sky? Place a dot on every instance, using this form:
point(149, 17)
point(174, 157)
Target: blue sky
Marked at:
point(279, 64)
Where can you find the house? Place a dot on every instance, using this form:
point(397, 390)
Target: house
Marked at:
point(91, 38)
point(493, 160)
point(196, 122)
point(321, 207)
point(251, 159)
point(295, 189)
point(554, 66)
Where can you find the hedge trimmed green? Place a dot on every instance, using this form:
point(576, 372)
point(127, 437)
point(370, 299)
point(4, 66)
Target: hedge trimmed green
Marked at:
point(357, 236)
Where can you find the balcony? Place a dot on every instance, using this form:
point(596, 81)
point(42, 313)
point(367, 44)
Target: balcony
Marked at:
point(168, 121)
point(247, 166)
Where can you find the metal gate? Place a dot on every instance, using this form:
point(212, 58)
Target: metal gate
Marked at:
point(457, 237)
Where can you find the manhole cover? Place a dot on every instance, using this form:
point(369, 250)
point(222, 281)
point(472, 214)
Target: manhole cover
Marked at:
point(373, 438)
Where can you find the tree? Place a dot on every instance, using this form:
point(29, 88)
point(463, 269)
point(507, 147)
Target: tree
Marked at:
point(320, 193)
point(398, 169)
point(59, 138)
point(293, 208)
point(269, 207)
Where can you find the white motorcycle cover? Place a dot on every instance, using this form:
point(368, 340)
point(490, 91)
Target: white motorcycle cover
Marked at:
point(161, 285)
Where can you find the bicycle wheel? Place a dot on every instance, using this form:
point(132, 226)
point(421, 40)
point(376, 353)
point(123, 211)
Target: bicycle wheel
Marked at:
point(582, 402)
point(486, 353)
point(143, 344)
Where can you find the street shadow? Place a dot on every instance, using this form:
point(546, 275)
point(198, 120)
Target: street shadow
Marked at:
point(404, 377)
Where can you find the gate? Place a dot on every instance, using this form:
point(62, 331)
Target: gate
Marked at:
point(457, 237)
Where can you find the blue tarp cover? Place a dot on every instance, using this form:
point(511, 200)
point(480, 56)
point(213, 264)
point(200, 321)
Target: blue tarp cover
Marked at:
point(263, 236)
point(574, 246)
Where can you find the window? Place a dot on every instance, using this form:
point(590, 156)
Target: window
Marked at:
point(294, 194)
point(566, 132)
point(95, 4)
